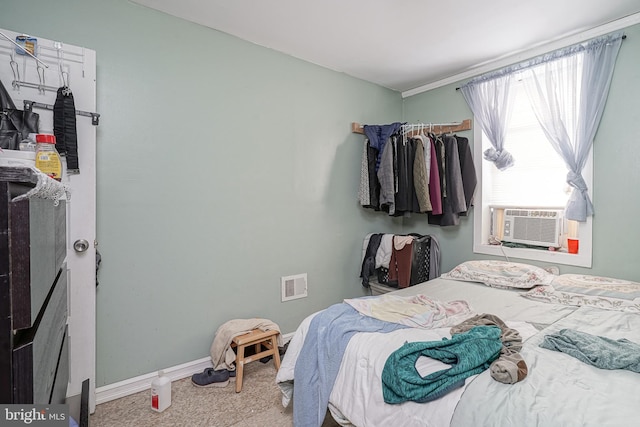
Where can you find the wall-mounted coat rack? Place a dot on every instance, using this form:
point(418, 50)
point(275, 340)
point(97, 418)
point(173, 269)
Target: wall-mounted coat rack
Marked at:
point(53, 55)
point(429, 127)
point(95, 117)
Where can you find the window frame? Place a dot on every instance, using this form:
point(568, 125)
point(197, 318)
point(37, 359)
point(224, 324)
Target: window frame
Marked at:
point(482, 220)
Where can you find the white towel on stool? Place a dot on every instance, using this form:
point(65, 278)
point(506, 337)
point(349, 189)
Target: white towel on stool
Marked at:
point(222, 355)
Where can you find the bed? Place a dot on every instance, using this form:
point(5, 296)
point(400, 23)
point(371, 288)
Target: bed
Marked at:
point(343, 370)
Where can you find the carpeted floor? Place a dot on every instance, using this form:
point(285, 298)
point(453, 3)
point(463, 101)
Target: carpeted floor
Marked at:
point(257, 405)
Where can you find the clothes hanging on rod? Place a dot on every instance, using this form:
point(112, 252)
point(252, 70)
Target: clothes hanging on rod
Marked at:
point(451, 182)
point(378, 136)
point(418, 172)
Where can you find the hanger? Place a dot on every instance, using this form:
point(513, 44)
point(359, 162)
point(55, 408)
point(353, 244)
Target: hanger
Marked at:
point(451, 127)
point(63, 75)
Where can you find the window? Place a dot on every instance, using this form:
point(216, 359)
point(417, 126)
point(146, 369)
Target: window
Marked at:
point(524, 184)
point(568, 90)
point(536, 181)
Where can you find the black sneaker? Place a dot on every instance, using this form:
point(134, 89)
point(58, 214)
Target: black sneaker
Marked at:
point(232, 375)
point(211, 378)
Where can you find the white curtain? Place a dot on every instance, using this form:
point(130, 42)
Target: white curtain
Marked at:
point(568, 90)
point(489, 99)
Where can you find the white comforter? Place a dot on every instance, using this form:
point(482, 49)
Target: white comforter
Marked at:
point(560, 390)
point(357, 393)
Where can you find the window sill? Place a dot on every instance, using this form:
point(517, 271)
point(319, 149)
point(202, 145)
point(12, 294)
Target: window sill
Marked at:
point(582, 259)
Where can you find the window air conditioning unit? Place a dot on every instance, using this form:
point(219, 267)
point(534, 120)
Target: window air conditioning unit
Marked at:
point(538, 227)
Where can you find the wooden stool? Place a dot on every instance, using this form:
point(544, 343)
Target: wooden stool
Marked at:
point(258, 339)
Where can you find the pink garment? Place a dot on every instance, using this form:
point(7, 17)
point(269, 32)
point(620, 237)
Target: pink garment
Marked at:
point(434, 183)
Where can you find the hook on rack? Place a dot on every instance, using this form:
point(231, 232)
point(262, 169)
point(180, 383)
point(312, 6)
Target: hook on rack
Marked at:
point(23, 49)
point(41, 82)
point(64, 75)
point(16, 71)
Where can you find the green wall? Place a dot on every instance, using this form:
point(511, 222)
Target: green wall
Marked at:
point(616, 197)
point(222, 166)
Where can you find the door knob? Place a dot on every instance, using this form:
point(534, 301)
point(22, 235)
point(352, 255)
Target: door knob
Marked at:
point(80, 245)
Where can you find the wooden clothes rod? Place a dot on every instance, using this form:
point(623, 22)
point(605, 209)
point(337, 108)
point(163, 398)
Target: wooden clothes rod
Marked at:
point(430, 127)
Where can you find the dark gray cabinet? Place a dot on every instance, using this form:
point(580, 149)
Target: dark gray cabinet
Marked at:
point(34, 362)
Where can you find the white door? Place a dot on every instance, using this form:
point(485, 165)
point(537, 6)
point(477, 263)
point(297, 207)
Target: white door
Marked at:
point(77, 66)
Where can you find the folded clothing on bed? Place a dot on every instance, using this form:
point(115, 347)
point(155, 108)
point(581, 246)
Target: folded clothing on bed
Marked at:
point(418, 311)
point(468, 353)
point(601, 352)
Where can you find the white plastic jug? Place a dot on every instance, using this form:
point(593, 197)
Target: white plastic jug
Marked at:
point(160, 392)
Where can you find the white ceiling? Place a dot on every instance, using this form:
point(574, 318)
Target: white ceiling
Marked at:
point(402, 44)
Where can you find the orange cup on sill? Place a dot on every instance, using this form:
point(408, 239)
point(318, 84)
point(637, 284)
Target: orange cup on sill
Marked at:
point(573, 245)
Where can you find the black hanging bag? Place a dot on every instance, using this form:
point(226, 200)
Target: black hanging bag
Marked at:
point(64, 128)
point(15, 125)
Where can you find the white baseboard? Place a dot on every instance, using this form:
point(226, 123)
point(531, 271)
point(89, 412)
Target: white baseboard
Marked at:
point(143, 382)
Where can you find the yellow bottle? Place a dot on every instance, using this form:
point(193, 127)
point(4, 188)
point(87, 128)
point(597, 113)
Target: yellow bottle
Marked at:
point(47, 157)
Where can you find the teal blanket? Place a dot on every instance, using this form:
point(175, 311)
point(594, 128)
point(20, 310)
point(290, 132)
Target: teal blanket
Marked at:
point(601, 352)
point(469, 354)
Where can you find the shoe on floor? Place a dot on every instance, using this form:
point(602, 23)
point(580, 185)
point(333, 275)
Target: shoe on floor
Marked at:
point(232, 376)
point(211, 378)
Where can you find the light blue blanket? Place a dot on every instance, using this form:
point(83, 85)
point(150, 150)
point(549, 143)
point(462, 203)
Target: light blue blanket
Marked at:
point(320, 358)
point(601, 352)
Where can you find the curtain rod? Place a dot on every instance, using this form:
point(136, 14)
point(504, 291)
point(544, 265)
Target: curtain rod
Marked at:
point(624, 36)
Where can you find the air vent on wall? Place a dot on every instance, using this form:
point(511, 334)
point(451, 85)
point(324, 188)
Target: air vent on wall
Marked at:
point(294, 287)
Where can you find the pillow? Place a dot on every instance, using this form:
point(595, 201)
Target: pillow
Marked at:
point(597, 286)
point(500, 274)
point(551, 295)
point(592, 291)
